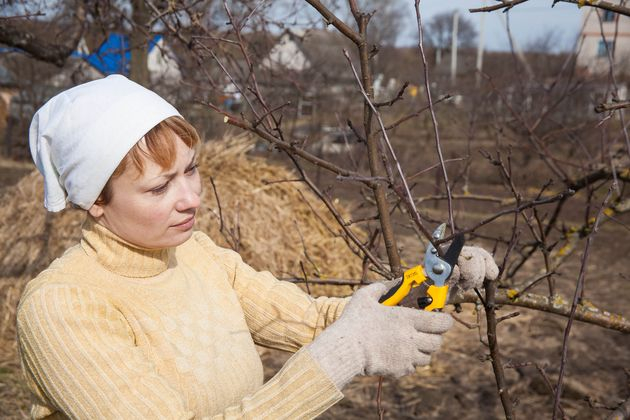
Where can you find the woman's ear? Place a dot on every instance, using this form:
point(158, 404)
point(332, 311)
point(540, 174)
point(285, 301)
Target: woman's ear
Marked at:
point(96, 211)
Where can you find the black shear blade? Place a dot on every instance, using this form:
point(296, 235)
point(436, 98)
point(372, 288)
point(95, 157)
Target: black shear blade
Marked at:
point(453, 251)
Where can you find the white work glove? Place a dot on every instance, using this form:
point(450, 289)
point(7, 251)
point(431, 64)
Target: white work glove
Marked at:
point(473, 266)
point(373, 339)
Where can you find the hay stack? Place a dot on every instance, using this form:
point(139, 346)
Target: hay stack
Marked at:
point(270, 220)
point(31, 237)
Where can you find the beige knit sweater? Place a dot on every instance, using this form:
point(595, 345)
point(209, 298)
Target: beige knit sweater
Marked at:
point(113, 331)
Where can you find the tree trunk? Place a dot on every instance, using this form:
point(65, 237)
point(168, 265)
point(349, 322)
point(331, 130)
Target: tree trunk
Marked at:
point(139, 43)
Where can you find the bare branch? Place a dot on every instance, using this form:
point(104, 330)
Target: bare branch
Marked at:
point(427, 86)
point(398, 97)
point(507, 5)
point(612, 106)
point(604, 5)
point(14, 35)
point(508, 316)
point(403, 179)
point(418, 112)
point(340, 219)
point(490, 287)
point(576, 297)
point(331, 19)
point(290, 147)
point(556, 305)
point(518, 209)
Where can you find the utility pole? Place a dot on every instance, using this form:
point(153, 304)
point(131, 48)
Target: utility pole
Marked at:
point(454, 47)
point(480, 48)
point(516, 47)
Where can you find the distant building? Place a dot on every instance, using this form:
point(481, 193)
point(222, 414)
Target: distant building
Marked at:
point(113, 56)
point(287, 53)
point(593, 53)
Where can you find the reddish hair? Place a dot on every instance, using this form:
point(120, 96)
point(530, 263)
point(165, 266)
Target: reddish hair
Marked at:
point(158, 146)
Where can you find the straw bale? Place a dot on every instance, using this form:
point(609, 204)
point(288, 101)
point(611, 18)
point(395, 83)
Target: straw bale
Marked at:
point(275, 225)
point(14, 397)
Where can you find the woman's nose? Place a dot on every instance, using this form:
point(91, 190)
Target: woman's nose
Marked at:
point(189, 195)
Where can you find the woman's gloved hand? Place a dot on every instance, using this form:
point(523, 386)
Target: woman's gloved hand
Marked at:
point(474, 265)
point(373, 339)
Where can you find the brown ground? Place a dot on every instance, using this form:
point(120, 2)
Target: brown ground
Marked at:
point(460, 382)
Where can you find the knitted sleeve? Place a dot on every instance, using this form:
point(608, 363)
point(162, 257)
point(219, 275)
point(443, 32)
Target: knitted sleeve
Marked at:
point(79, 356)
point(278, 313)
point(301, 390)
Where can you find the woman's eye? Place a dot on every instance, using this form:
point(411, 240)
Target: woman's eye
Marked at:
point(159, 190)
point(192, 169)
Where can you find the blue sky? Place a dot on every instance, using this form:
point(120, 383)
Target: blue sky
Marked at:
point(528, 21)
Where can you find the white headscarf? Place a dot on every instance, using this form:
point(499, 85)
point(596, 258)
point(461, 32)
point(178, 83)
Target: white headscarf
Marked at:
point(78, 138)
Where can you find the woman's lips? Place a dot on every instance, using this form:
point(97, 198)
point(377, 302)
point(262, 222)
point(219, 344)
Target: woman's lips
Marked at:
point(186, 224)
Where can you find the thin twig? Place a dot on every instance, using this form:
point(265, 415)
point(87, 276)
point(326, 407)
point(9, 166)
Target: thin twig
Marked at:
point(417, 113)
point(392, 153)
point(547, 381)
point(427, 86)
point(518, 209)
point(507, 5)
point(379, 394)
point(535, 282)
point(339, 218)
point(574, 306)
point(398, 97)
point(308, 288)
point(508, 316)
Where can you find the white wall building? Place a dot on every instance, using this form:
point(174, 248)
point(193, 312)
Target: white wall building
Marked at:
point(163, 67)
point(593, 56)
point(287, 54)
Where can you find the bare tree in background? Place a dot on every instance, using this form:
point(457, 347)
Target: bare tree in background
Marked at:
point(439, 31)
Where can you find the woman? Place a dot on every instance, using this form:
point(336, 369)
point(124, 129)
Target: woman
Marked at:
point(146, 318)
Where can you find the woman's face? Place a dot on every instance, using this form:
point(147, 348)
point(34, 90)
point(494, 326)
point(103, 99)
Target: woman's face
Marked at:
point(155, 209)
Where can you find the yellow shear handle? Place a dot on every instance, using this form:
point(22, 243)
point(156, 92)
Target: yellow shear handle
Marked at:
point(413, 278)
point(438, 294)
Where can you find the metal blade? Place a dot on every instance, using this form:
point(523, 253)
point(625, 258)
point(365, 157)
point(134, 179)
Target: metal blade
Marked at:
point(438, 233)
point(452, 254)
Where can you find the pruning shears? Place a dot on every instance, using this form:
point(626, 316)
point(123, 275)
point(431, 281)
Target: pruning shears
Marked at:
point(425, 287)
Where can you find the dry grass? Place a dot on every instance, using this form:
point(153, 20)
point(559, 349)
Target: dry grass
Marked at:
point(277, 225)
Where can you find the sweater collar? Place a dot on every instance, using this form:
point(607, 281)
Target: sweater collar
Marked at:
point(119, 256)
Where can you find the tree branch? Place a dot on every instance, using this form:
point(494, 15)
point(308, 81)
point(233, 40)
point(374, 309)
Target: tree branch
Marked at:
point(14, 35)
point(612, 106)
point(584, 312)
point(331, 19)
point(576, 298)
point(598, 4)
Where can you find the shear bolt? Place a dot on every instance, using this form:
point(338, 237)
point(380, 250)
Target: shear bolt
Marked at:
point(438, 268)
